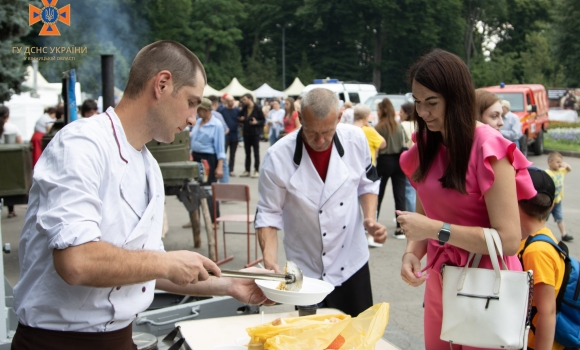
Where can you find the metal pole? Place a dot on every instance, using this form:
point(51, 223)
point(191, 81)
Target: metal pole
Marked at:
point(283, 57)
point(108, 81)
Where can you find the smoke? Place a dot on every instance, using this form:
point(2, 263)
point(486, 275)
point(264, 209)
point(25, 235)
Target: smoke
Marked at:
point(117, 27)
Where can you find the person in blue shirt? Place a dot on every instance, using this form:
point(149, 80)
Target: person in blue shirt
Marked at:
point(207, 141)
point(230, 114)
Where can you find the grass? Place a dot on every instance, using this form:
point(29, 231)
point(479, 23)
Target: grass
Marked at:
point(561, 146)
point(558, 124)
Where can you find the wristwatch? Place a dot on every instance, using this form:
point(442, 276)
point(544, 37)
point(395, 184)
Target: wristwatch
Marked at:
point(444, 233)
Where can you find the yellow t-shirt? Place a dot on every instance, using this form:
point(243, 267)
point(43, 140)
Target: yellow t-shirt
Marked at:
point(548, 267)
point(558, 177)
point(374, 139)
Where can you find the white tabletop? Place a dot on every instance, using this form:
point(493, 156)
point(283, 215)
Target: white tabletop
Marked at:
point(214, 332)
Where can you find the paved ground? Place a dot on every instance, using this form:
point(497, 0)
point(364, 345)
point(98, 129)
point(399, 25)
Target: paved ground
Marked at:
point(405, 328)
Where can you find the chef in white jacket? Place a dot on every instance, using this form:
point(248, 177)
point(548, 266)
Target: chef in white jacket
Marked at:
point(90, 251)
point(312, 185)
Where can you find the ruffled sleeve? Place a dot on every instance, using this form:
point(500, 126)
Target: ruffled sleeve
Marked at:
point(409, 160)
point(493, 144)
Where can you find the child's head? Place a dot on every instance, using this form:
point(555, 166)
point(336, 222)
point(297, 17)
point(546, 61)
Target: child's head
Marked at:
point(540, 205)
point(555, 160)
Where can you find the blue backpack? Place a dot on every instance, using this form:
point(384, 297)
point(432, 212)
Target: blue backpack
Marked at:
point(567, 303)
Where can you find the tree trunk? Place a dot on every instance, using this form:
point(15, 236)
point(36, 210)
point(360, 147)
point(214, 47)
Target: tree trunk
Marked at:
point(379, 38)
point(468, 44)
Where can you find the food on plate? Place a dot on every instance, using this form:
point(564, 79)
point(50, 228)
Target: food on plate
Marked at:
point(282, 285)
point(337, 343)
point(278, 322)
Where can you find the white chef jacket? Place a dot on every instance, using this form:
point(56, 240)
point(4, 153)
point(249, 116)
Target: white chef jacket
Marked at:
point(83, 191)
point(322, 221)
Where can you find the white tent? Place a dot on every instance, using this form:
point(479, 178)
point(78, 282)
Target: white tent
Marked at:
point(236, 89)
point(25, 110)
point(295, 88)
point(266, 91)
point(209, 91)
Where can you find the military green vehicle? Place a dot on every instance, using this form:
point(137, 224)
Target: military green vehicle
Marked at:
point(15, 173)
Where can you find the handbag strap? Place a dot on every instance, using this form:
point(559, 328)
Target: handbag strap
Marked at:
point(493, 241)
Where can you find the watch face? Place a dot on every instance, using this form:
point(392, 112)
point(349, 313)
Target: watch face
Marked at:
point(444, 235)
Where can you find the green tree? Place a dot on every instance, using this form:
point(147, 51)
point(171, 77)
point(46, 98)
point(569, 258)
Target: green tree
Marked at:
point(13, 26)
point(538, 63)
point(304, 70)
point(567, 44)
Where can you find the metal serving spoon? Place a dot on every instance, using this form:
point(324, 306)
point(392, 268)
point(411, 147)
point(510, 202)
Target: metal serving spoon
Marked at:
point(292, 277)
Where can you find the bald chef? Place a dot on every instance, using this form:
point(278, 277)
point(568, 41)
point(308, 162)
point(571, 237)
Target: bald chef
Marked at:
point(90, 252)
point(313, 184)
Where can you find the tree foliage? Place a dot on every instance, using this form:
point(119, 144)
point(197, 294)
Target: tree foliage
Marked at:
point(514, 41)
point(13, 26)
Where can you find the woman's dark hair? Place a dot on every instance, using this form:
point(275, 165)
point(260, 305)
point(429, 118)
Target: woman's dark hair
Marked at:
point(408, 108)
point(386, 113)
point(4, 114)
point(291, 110)
point(88, 105)
point(446, 74)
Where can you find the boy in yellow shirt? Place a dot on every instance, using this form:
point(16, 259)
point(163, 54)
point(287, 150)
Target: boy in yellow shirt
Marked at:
point(557, 170)
point(543, 259)
point(374, 139)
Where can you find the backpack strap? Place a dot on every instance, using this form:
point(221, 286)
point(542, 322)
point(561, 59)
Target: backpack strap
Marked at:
point(563, 250)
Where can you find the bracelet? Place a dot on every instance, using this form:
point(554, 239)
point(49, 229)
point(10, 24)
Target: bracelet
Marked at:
point(408, 253)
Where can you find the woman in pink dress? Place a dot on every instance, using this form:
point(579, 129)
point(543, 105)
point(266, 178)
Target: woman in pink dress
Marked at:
point(467, 177)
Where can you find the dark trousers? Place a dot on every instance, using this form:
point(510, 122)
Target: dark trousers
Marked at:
point(233, 146)
point(249, 142)
point(30, 338)
point(212, 161)
point(354, 296)
point(388, 167)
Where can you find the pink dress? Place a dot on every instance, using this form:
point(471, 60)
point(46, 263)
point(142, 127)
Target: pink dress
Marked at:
point(456, 208)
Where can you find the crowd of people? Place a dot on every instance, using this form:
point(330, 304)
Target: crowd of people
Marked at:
point(455, 170)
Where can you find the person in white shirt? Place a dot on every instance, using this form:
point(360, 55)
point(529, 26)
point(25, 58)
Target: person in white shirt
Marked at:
point(347, 114)
point(512, 127)
point(9, 133)
point(90, 251)
point(313, 184)
point(275, 121)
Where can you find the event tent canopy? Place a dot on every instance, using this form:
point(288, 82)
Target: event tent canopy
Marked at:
point(209, 91)
point(236, 89)
point(295, 88)
point(266, 91)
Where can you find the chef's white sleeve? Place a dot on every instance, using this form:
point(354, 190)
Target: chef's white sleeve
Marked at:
point(369, 179)
point(272, 195)
point(68, 179)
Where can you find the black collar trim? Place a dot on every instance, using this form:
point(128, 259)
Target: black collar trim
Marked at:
point(299, 142)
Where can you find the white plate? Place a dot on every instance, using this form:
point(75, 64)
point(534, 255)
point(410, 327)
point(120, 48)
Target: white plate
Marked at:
point(313, 291)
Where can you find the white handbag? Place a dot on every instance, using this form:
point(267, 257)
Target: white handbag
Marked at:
point(486, 308)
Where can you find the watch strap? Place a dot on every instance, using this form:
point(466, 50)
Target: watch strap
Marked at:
point(444, 234)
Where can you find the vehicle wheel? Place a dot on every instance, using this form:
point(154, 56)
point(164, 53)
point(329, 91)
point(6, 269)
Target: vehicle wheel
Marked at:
point(539, 144)
point(524, 145)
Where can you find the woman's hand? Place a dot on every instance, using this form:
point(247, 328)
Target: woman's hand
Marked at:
point(418, 227)
point(411, 270)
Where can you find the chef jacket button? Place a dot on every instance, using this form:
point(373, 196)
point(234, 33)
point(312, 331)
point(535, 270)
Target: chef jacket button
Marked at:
point(343, 245)
point(342, 269)
point(343, 227)
point(324, 275)
point(143, 289)
point(323, 254)
point(111, 322)
point(118, 288)
point(341, 203)
point(321, 212)
point(152, 218)
point(143, 246)
point(324, 234)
